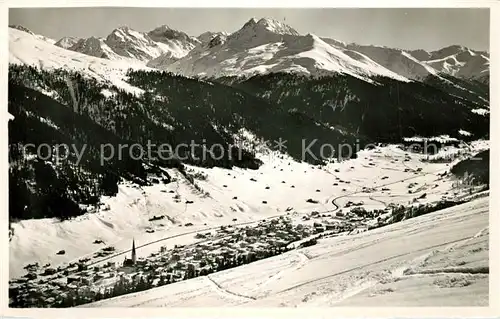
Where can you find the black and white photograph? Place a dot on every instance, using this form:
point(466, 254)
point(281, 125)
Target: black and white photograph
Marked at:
point(248, 157)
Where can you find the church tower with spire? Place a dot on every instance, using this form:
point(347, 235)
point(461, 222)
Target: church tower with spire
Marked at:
point(131, 262)
point(133, 252)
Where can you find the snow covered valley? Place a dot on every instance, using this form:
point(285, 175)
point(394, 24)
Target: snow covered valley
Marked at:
point(442, 254)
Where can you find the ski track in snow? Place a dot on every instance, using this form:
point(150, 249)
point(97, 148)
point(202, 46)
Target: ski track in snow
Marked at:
point(303, 258)
point(225, 292)
point(408, 269)
point(370, 264)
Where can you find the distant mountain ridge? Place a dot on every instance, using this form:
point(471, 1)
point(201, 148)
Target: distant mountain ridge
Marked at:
point(67, 42)
point(24, 29)
point(269, 46)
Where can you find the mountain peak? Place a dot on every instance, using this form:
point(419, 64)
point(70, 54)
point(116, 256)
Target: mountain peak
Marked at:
point(124, 34)
point(250, 23)
point(269, 25)
point(277, 26)
point(92, 46)
point(120, 32)
point(207, 36)
point(268, 22)
point(122, 28)
point(161, 28)
point(67, 42)
point(165, 34)
point(257, 32)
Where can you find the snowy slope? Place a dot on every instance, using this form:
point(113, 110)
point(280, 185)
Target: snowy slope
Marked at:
point(94, 47)
point(175, 44)
point(269, 46)
point(457, 61)
point(206, 37)
point(133, 44)
point(462, 65)
point(38, 36)
point(25, 48)
point(417, 64)
point(398, 61)
point(439, 259)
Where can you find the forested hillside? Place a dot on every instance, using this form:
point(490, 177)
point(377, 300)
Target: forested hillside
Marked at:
point(60, 106)
point(386, 110)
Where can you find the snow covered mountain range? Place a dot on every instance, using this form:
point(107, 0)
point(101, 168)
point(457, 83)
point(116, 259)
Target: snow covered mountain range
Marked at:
point(124, 42)
point(269, 46)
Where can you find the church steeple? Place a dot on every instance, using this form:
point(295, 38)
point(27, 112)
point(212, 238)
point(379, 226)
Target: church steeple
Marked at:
point(133, 251)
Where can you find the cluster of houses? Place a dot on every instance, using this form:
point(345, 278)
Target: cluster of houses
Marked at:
point(45, 286)
point(220, 249)
point(243, 244)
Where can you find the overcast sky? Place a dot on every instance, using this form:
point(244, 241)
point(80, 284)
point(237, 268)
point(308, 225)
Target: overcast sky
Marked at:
point(427, 28)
